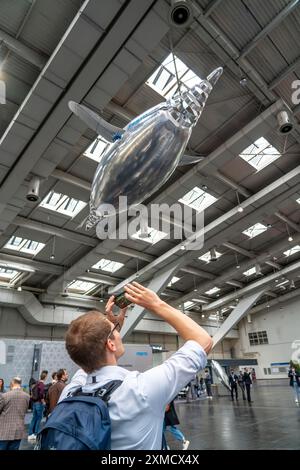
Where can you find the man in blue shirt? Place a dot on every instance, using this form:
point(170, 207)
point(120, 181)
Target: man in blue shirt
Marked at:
point(137, 407)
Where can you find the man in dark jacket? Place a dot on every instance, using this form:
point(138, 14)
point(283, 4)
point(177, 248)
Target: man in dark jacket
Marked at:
point(233, 381)
point(38, 405)
point(207, 380)
point(248, 382)
point(241, 384)
point(294, 377)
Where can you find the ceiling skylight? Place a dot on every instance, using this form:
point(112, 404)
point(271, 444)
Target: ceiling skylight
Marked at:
point(96, 149)
point(108, 265)
point(202, 301)
point(173, 281)
point(8, 275)
point(260, 154)
point(250, 272)
point(207, 256)
point(281, 284)
point(188, 305)
point(24, 245)
point(292, 250)
point(63, 204)
point(255, 230)
point(197, 199)
point(154, 236)
point(164, 81)
point(81, 287)
point(212, 291)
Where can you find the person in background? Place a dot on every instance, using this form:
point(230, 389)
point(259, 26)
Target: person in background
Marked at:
point(201, 385)
point(170, 423)
point(253, 374)
point(191, 393)
point(54, 378)
point(207, 380)
point(38, 405)
point(248, 382)
point(241, 384)
point(31, 383)
point(233, 381)
point(294, 377)
point(56, 389)
point(13, 407)
point(47, 387)
point(2, 388)
point(53, 381)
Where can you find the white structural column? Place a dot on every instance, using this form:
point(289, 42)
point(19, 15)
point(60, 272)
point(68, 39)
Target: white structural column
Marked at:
point(237, 314)
point(157, 284)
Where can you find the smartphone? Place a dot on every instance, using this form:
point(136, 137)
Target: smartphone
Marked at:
point(121, 301)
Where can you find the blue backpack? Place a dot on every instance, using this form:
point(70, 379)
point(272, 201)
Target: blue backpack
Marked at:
point(80, 421)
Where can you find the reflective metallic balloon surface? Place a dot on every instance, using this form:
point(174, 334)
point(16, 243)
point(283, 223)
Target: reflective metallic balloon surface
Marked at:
point(145, 153)
point(220, 373)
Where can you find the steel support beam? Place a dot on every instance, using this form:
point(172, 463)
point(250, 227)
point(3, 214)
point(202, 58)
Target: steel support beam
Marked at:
point(68, 178)
point(278, 300)
point(263, 283)
point(241, 251)
point(25, 264)
point(289, 222)
point(211, 7)
point(15, 45)
point(233, 272)
point(204, 232)
point(56, 231)
point(249, 254)
point(232, 184)
point(269, 27)
point(236, 315)
point(285, 73)
point(157, 284)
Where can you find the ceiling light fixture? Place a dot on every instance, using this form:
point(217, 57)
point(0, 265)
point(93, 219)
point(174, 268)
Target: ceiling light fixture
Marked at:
point(213, 254)
point(290, 238)
point(52, 256)
point(258, 269)
point(240, 208)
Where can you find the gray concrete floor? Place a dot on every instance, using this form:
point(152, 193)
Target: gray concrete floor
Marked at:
point(272, 421)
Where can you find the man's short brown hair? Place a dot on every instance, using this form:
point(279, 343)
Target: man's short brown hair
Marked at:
point(60, 373)
point(86, 339)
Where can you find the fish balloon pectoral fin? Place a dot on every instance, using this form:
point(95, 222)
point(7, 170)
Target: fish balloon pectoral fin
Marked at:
point(97, 123)
point(190, 159)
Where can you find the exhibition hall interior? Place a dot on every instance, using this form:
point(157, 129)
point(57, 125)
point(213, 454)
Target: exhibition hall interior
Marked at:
point(153, 143)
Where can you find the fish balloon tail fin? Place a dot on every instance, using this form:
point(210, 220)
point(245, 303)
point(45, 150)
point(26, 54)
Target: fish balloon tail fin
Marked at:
point(89, 221)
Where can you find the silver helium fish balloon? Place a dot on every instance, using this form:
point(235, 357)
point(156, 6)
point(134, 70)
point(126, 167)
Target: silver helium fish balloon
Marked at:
point(143, 155)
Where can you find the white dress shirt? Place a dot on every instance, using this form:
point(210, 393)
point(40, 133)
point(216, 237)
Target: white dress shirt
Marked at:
point(137, 407)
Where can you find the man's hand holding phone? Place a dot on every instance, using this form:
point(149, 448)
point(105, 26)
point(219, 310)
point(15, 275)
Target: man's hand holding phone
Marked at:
point(140, 295)
point(110, 315)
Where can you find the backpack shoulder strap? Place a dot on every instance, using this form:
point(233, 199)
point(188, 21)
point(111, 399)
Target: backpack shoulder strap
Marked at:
point(104, 392)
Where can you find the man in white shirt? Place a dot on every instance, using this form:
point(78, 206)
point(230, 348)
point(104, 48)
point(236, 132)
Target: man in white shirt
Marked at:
point(137, 407)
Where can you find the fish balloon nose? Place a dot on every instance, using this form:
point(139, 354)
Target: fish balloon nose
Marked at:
point(214, 76)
